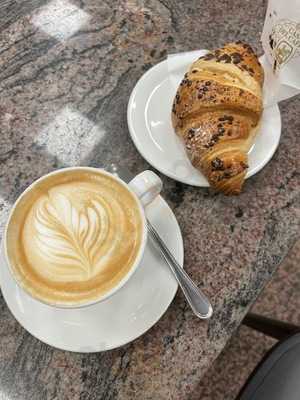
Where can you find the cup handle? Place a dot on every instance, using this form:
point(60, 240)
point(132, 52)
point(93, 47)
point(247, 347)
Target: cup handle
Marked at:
point(147, 186)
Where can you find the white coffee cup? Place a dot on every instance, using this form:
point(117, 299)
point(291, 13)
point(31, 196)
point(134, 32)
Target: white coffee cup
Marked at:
point(145, 187)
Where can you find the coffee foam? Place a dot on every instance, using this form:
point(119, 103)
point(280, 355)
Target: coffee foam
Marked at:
point(74, 236)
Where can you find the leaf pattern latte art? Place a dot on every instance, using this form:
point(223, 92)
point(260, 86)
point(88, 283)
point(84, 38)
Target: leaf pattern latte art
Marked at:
point(69, 240)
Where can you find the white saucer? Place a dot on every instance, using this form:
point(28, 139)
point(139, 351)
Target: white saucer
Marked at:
point(120, 319)
point(149, 122)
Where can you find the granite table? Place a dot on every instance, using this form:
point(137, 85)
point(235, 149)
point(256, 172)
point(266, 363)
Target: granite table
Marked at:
point(67, 68)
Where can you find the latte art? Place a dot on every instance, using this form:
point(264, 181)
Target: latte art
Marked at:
point(73, 244)
point(77, 235)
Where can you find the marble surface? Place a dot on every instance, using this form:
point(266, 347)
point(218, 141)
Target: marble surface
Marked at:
point(67, 68)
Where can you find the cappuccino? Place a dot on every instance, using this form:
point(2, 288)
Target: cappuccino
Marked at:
point(73, 236)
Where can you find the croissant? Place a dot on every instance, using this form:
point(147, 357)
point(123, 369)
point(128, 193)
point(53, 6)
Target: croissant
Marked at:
point(217, 111)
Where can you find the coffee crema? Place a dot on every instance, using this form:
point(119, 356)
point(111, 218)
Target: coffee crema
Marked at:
point(74, 236)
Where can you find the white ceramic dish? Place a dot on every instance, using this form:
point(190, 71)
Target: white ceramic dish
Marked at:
point(149, 122)
point(134, 309)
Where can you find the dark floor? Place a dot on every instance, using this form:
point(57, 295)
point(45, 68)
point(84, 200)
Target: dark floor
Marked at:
point(280, 299)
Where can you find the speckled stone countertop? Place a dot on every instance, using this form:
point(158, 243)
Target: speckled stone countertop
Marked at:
point(67, 68)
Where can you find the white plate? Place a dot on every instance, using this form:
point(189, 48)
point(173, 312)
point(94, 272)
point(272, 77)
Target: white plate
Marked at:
point(120, 319)
point(149, 122)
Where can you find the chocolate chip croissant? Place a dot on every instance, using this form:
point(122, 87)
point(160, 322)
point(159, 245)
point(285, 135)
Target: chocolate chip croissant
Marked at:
point(217, 110)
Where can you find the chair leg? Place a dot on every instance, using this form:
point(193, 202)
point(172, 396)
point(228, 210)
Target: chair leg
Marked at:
point(271, 327)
